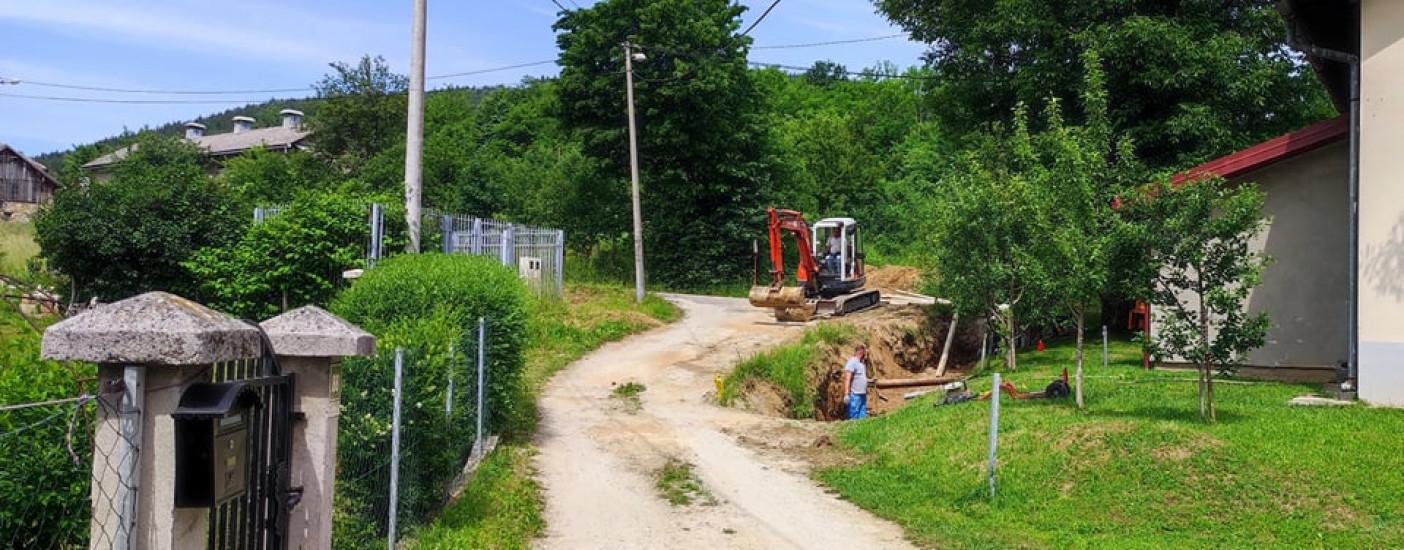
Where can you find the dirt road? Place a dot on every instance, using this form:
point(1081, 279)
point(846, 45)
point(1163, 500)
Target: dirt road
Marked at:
point(598, 456)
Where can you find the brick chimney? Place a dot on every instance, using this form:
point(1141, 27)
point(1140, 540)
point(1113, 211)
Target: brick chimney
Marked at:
point(243, 124)
point(292, 118)
point(194, 130)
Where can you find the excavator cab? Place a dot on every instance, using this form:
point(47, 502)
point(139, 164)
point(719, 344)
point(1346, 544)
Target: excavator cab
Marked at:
point(843, 272)
point(829, 284)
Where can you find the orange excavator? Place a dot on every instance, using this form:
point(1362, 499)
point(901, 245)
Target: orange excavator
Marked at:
point(830, 280)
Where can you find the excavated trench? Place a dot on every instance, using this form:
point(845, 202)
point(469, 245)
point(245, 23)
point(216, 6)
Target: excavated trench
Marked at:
point(904, 343)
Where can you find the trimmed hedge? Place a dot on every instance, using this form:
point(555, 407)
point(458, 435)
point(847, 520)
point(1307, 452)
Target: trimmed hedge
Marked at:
point(428, 304)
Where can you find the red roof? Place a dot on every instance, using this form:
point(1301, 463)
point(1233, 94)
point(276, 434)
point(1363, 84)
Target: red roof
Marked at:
point(1268, 152)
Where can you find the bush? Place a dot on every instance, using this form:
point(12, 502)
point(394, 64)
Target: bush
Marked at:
point(429, 305)
point(43, 492)
point(130, 234)
point(291, 259)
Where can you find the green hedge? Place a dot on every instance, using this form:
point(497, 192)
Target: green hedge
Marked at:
point(428, 305)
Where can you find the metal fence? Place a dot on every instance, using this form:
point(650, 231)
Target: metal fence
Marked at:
point(418, 419)
point(46, 471)
point(537, 254)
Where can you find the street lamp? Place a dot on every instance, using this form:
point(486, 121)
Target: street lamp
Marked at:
point(630, 57)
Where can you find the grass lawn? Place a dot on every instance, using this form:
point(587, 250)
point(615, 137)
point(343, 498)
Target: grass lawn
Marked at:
point(1137, 469)
point(17, 246)
point(501, 507)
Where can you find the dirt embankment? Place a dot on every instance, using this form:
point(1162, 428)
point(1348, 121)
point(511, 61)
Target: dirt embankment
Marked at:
point(894, 277)
point(904, 342)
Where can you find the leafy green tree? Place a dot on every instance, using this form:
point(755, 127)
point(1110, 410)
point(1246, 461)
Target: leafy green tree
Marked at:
point(703, 154)
point(362, 111)
point(289, 260)
point(1187, 79)
point(825, 72)
point(130, 234)
point(1198, 269)
point(260, 177)
point(986, 227)
point(1080, 171)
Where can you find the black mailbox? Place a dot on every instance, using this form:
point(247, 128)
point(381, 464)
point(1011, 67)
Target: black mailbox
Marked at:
point(212, 442)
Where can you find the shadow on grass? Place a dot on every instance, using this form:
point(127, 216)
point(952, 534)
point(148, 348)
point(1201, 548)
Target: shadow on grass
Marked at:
point(1172, 414)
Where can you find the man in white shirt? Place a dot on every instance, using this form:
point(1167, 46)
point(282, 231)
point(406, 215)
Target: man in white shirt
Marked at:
point(833, 253)
point(855, 383)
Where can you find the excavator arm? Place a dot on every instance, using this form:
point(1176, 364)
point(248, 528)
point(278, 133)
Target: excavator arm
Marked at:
point(790, 221)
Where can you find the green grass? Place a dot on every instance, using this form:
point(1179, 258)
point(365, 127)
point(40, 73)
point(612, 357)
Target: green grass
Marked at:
point(501, 507)
point(628, 394)
point(1136, 469)
point(790, 367)
point(679, 486)
point(17, 246)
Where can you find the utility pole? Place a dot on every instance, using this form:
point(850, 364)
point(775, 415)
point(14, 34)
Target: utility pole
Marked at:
point(629, 58)
point(414, 135)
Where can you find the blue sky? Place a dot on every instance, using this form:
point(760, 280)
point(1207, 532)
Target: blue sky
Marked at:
point(263, 44)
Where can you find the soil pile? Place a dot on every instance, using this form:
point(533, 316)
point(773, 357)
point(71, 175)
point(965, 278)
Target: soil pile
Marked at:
point(894, 277)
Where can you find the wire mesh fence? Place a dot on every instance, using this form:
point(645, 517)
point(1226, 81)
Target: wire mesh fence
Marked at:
point(399, 460)
point(45, 478)
point(537, 254)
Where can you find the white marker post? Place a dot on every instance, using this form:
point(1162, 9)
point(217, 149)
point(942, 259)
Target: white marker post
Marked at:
point(994, 431)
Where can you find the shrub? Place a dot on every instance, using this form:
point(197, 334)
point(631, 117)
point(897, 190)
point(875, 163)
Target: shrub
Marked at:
point(429, 305)
point(130, 234)
point(291, 259)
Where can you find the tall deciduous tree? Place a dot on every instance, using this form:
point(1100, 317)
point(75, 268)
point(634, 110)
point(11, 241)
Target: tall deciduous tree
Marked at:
point(1188, 79)
point(702, 148)
point(1198, 271)
point(362, 111)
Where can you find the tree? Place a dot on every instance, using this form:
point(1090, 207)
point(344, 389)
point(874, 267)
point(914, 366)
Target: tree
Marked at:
point(1198, 269)
point(1176, 70)
point(259, 177)
point(703, 156)
point(986, 224)
point(362, 111)
point(1083, 170)
point(825, 72)
point(130, 234)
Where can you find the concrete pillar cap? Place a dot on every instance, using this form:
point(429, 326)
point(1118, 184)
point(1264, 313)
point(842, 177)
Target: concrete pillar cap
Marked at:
point(311, 331)
point(156, 328)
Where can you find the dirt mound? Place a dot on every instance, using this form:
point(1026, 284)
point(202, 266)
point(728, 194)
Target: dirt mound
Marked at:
point(904, 342)
point(894, 277)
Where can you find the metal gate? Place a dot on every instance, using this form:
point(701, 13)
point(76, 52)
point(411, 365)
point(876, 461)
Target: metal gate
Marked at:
point(257, 518)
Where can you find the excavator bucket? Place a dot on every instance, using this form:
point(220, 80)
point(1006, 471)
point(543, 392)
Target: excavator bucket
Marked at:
point(783, 297)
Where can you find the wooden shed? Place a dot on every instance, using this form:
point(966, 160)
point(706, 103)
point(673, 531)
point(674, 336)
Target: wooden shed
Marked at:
point(23, 181)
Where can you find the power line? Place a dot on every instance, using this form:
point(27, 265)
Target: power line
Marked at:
point(491, 70)
point(211, 92)
point(831, 42)
point(761, 18)
point(164, 92)
point(135, 101)
point(845, 72)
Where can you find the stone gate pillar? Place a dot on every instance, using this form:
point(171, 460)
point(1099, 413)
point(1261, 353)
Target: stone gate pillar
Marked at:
point(148, 348)
point(310, 343)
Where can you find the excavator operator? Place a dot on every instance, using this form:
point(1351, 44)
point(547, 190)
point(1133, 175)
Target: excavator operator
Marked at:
point(833, 253)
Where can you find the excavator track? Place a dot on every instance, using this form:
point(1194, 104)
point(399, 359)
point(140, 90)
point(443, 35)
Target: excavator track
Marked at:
point(848, 303)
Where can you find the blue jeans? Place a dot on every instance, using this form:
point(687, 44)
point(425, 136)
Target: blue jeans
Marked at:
point(831, 262)
point(857, 406)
